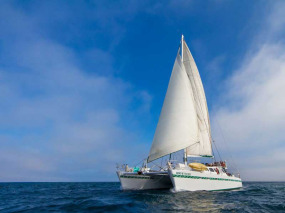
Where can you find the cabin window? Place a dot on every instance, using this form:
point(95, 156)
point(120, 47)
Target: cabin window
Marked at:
point(212, 170)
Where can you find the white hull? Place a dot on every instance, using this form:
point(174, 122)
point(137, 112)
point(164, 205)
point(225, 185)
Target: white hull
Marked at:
point(185, 180)
point(151, 180)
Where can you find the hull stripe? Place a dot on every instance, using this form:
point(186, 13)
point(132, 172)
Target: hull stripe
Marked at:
point(206, 178)
point(135, 177)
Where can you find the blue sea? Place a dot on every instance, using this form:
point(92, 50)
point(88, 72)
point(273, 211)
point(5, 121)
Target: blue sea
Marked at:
point(107, 197)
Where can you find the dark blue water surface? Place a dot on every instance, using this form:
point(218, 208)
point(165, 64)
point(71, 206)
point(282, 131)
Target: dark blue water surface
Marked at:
point(104, 197)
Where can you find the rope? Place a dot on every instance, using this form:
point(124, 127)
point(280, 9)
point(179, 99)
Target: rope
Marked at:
point(140, 162)
point(217, 150)
point(228, 151)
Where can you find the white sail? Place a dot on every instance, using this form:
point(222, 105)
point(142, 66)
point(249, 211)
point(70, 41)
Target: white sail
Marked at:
point(177, 127)
point(204, 146)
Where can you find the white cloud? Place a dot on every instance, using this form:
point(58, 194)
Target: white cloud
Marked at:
point(59, 122)
point(252, 115)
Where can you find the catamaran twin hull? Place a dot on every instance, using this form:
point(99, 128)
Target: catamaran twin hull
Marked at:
point(179, 180)
point(184, 124)
point(150, 180)
point(184, 180)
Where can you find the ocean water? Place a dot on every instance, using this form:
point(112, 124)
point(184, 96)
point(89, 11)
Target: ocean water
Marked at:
point(107, 197)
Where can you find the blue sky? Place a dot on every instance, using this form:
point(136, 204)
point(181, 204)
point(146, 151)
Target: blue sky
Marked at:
point(82, 83)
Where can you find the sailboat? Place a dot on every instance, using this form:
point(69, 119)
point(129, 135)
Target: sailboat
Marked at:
point(183, 125)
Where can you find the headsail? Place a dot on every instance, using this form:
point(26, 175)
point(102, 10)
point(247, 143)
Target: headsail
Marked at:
point(204, 147)
point(177, 127)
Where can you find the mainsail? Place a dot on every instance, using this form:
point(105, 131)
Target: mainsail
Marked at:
point(204, 146)
point(184, 118)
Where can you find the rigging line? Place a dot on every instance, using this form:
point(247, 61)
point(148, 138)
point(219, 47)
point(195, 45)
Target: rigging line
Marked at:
point(140, 161)
point(228, 150)
point(161, 161)
point(157, 165)
point(217, 150)
point(175, 155)
point(192, 144)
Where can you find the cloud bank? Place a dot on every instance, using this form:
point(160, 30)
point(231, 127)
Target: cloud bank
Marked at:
point(59, 122)
point(253, 104)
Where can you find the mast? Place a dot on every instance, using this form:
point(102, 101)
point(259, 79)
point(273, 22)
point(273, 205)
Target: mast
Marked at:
point(185, 157)
point(182, 39)
point(182, 53)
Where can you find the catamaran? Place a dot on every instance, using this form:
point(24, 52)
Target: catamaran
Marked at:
point(183, 125)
